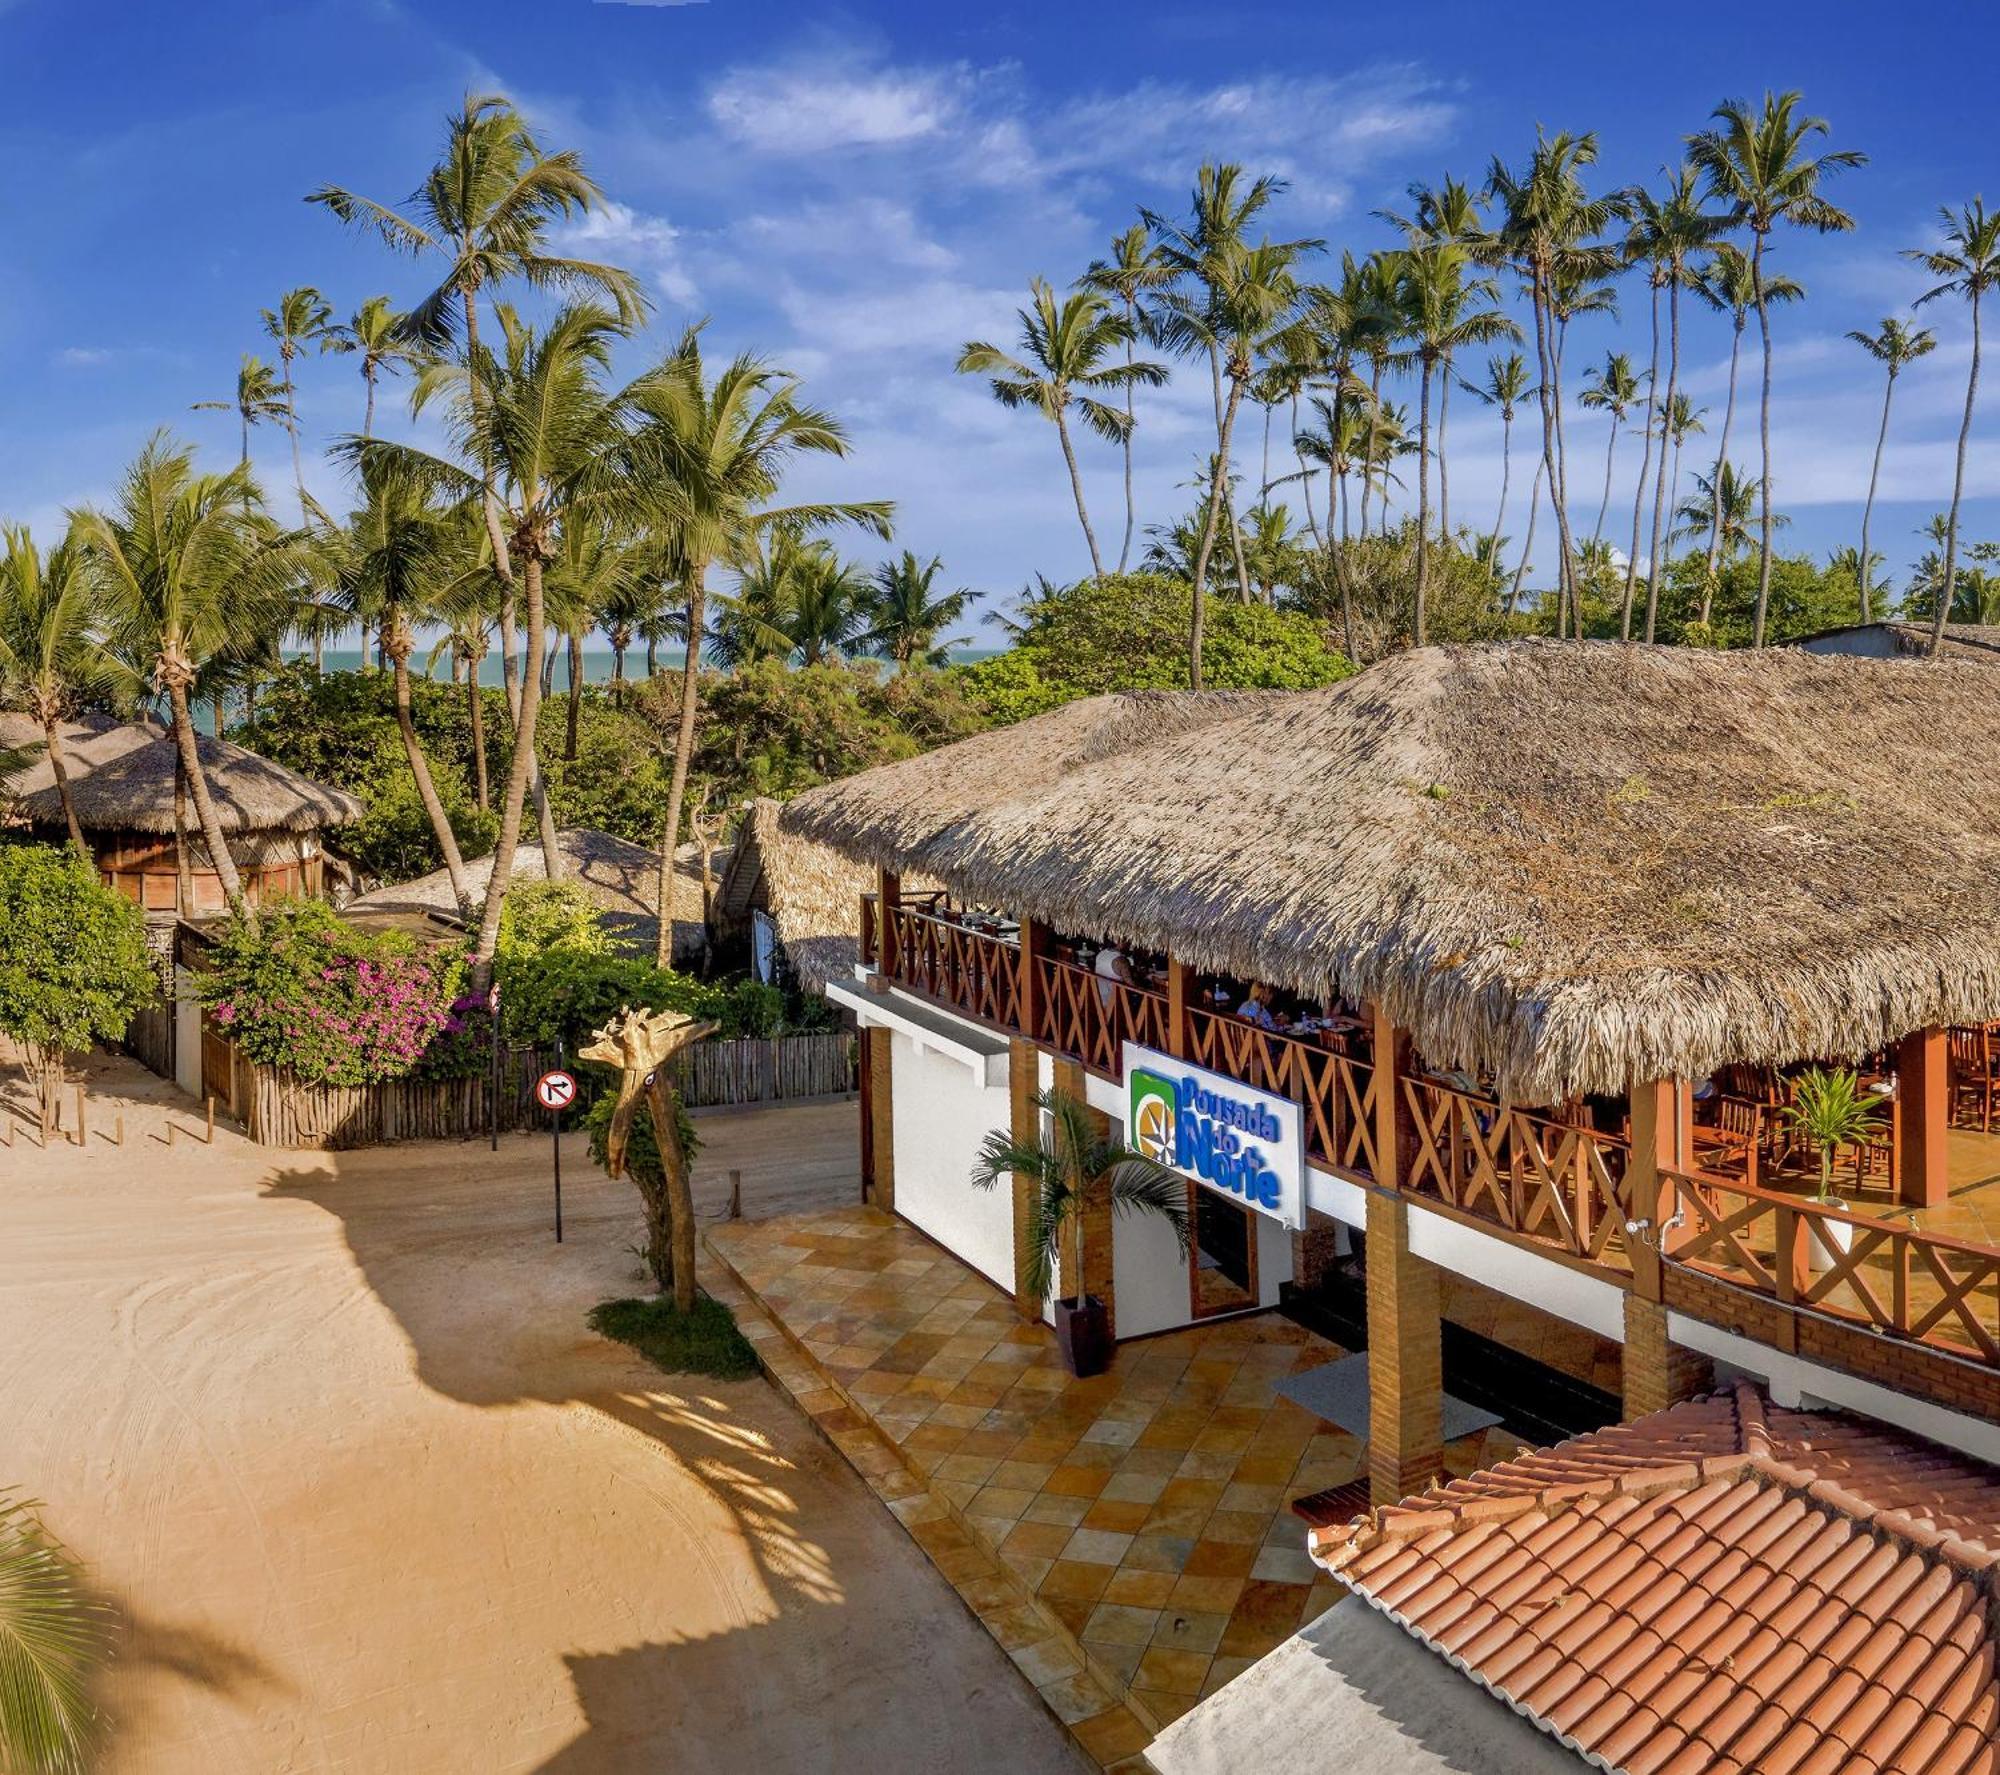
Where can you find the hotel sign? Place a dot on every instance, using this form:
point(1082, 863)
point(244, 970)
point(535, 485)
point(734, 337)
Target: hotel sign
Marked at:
point(1241, 1143)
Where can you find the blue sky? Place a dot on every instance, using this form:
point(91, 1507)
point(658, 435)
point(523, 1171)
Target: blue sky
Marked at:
point(856, 191)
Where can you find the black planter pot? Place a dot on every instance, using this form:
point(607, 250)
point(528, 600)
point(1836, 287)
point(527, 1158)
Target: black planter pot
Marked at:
point(1084, 1334)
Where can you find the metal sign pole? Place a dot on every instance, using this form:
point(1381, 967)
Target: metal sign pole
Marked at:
point(493, 1112)
point(556, 1143)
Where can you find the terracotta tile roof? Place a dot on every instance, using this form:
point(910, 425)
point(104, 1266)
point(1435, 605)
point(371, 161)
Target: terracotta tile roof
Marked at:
point(1724, 1588)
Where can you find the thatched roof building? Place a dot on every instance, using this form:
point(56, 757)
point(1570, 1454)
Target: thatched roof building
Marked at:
point(121, 779)
point(1908, 640)
point(1572, 866)
point(622, 880)
point(809, 892)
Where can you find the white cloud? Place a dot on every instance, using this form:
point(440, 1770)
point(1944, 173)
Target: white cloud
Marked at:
point(619, 234)
point(868, 230)
point(809, 108)
point(84, 357)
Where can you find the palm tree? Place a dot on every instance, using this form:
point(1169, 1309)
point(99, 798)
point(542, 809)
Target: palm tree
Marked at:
point(465, 610)
point(1611, 389)
point(1069, 346)
point(907, 617)
point(1756, 162)
point(826, 603)
point(1728, 286)
point(1967, 265)
point(53, 1636)
point(1724, 506)
point(50, 657)
point(1443, 319)
point(1506, 387)
point(542, 444)
point(403, 557)
point(1548, 234)
point(1668, 231)
point(1070, 1166)
point(1680, 420)
point(186, 566)
point(720, 448)
point(1894, 347)
point(1848, 563)
point(375, 334)
point(1134, 271)
point(300, 319)
point(258, 398)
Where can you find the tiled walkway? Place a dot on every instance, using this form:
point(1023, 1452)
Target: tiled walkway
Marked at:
point(1145, 1509)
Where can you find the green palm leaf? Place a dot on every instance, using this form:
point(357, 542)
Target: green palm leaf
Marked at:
point(53, 1636)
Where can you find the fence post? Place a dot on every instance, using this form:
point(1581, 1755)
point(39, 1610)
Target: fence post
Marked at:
point(82, 1127)
point(735, 1195)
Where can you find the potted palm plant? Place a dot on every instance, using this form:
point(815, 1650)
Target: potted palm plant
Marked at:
point(1831, 1112)
point(1069, 1163)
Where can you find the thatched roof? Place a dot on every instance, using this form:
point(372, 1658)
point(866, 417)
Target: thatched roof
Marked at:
point(810, 891)
point(121, 779)
point(1574, 866)
point(622, 880)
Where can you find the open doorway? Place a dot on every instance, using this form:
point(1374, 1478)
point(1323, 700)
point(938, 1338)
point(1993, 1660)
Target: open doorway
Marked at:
point(1223, 1262)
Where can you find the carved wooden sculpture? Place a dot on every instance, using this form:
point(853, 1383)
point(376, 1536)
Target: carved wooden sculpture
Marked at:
point(642, 1045)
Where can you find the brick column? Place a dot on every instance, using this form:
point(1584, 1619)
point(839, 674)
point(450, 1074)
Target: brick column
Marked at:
point(1096, 1216)
point(1025, 1121)
point(1657, 1372)
point(1405, 1361)
point(1923, 1101)
point(882, 1120)
point(1315, 1246)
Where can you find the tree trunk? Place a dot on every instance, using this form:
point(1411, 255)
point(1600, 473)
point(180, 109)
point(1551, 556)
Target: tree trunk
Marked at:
point(1654, 564)
point(519, 769)
point(680, 1197)
point(1604, 500)
point(1423, 499)
point(48, 1068)
point(52, 735)
point(1236, 544)
point(1506, 475)
point(368, 412)
point(218, 717)
point(1559, 476)
point(476, 708)
point(1368, 448)
point(1076, 487)
point(1207, 544)
point(183, 865)
point(1528, 547)
point(1764, 444)
point(652, 656)
point(1868, 508)
point(1715, 484)
point(1545, 362)
point(1305, 474)
point(1444, 475)
point(1645, 468)
point(570, 715)
point(1943, 615)
point(1131, 357)
point(420, 772)
point(292, 425)
point(204, 808)
point(670, 837)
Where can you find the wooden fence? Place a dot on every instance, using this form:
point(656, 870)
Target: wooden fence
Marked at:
point(277, 1110)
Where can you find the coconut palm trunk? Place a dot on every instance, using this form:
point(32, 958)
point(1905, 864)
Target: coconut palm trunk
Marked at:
point(1943, 614)
point(1645, 472)
point(1305, 474)
point(476, 719)
point(398, 642)
point(59, 769)
point(1545, 362)
point(1660, 507)
point(204, 805)
point(1715, 477)
point(1368, 449)
point(1423, 500)
point(1131, 357)
point(1604, 499)
point(1506, 475)
point(571, 713)
point(1444, 473)
point(1868, 505)
point(1076, 487)
point(519, 769)
point(670, 837)
point(1528, 547)
point(1207, 544)
point(1764, 448)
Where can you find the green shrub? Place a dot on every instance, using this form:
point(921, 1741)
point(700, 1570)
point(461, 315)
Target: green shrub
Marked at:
point(543, 915)
point(752, 1010)
point(567, 994)
point(642, 1150)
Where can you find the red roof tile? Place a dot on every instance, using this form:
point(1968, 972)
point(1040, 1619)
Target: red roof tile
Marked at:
point(1727, 1586)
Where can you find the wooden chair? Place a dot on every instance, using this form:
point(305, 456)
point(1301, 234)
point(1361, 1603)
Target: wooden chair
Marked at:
point(1972, 1052)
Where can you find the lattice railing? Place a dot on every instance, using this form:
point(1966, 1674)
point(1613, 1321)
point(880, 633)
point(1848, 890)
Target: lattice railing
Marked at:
point(1894, 1278)
point(1335, 1094)
point(969, 971)
point(1541, 1180)
point(1090, 1018)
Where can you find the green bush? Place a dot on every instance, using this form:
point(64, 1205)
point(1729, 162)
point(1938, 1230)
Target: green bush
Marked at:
point(74, 968)
point(752, 1010)
point(567, 994)
point(642, 1150)
point(542, 915)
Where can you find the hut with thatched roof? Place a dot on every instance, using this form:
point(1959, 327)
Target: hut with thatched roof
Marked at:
point(1906, 640)
point(125, 784)
point(1466, 941)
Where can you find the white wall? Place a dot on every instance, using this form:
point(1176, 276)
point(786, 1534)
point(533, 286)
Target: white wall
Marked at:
point(943, 1111)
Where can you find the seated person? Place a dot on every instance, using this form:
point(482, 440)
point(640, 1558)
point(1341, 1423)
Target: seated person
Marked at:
point(1111, 966)
point(1256, 1007)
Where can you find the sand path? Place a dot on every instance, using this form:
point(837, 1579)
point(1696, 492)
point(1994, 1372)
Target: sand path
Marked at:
point(331, 1432)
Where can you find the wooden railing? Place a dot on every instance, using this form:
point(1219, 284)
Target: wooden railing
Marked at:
point(1543, 1181)
point(1089, 1018)
point(1335, 1094)
point(871, 929)
point(966, 970)
point(1892, 1278)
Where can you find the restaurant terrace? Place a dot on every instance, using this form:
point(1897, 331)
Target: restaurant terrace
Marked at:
point(1541, 940)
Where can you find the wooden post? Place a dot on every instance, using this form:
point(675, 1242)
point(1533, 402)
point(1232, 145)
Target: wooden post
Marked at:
point(1394, 1137)
point(882, 1121)
point(735, 1195)
point(209, 1137)
point(1024, 1077)
point(82, 1127)
point(1180, 986)
point(1922, 1096)
point(888, 938)
point(1034, 945)
point(1650, 1198)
